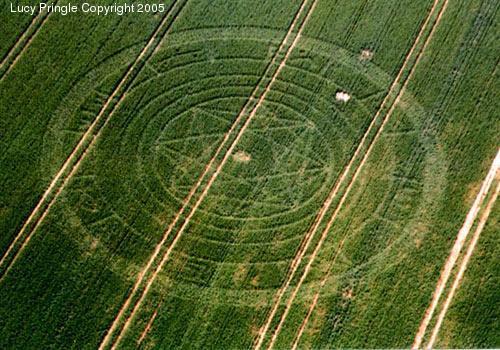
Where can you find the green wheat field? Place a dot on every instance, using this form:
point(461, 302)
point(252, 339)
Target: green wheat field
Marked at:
point(250, 174)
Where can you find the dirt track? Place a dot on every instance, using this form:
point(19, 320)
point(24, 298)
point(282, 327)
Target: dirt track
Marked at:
point(207, 169)
point(24, 41)
point(463, 266)
point(326, 206)
point(316, 298)
point(148, 326)
point(455, 252)
point(74, 160)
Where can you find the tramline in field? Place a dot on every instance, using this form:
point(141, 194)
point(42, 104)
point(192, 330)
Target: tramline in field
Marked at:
point(273, 174)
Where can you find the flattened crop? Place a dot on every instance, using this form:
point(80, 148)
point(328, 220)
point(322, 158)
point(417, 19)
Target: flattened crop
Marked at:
point(249, 174)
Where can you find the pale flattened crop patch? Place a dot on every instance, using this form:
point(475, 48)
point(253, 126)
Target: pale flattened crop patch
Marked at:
point(342, 96)
point(366, 55)
point(241, 157)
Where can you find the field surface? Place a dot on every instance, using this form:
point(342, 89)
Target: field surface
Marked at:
point(263, 174)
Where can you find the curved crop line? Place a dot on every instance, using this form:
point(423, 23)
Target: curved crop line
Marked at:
point(454, 255)
point(211, 180)
point(326, 47)
point(150, 103)
point(86, 142)
point(257, 189)
point(260, 230)
point(23, 42)
point(171, 70)
point(326, 205)
point(174, 195)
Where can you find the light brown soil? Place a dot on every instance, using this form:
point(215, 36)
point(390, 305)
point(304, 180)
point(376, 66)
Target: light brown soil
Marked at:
point(365, 55)
point(455, 252)
point(24, 40)
point(241, 157)
point(463, 266)
point(240, 274)
point(255, 281)
point(347, 294)
point(148, 326)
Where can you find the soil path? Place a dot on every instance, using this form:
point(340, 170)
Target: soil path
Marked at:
point(316, 297)
point(326, 206)
point(455, 252)
point(148, 326)
point(22, 43)
point(79, 153)
point(463, 265)
point(209, 166)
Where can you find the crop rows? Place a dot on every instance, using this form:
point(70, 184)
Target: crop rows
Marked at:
point(196, 182)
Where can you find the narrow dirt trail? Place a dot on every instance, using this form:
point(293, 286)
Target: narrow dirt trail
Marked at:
point(455, 252)
point(335, 191)
point(204, 193)
point(79, 153)
point(22, 43)
point(316, 297)
point(298, 336)
point(463, 265)
point(148, 327)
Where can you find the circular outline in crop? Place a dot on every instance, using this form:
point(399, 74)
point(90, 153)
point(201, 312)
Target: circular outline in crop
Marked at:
point(317, 47)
